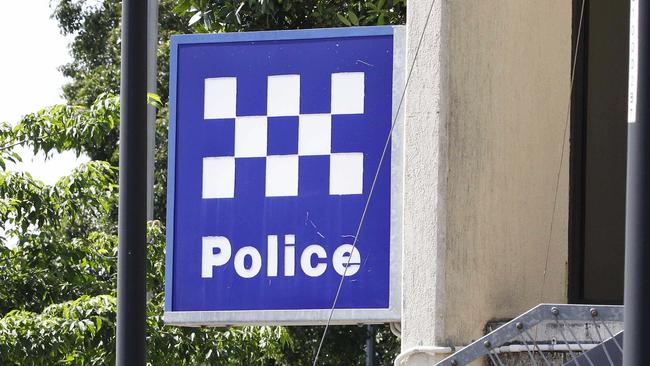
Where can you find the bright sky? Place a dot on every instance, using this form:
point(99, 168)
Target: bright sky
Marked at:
point(32, 50)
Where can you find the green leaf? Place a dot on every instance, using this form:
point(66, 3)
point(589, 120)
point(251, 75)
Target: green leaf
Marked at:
point(353, 18)
point(154, 96)
point(343, 20)
point(154, 100)
point(182, 6)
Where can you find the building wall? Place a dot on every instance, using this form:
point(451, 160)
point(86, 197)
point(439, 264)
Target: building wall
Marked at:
point(509, 80)
point(425, 137)
point(485, 124)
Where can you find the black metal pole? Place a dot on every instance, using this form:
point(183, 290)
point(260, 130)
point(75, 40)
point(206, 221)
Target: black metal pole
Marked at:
point(637, 231)
point(131, 263)
point(370, 345)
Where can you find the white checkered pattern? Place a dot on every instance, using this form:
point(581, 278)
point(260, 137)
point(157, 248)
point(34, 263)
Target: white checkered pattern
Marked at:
point(314, 136)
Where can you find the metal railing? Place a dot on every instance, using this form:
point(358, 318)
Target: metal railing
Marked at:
point(547, 328)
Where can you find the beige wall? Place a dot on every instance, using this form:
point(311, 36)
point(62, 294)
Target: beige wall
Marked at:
point(486, 111)
point(509, 72)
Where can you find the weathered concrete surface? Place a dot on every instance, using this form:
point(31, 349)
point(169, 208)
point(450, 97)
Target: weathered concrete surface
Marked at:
point(425, 179)
point(509, 80)
point(485, 119)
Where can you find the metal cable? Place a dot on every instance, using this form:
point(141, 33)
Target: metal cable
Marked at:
point(600, 338)
point(579, 344)
point(532, 358)
point(573, 356)
point(374, 181)
point(492, 358)
point(612, 336)
point(538, 349)
point(496, 355)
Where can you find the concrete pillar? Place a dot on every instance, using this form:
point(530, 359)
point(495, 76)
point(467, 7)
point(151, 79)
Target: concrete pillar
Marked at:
point(425, 177)
point(485, 120)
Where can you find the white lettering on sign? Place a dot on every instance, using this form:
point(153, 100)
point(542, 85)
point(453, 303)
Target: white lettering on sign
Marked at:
point(289, 255)
point(272, 256)
point(240, 262)
point(217, 251)
point(211, 259)
point(346, 256)
point(306, 260)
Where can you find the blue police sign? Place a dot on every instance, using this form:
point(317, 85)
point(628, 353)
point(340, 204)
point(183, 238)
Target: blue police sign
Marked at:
point(274, 142)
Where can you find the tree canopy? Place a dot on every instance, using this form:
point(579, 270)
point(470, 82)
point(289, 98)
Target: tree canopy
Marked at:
point(59, 245)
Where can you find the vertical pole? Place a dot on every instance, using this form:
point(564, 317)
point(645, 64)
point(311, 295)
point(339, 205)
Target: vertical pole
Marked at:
point(637, 231)
point(131, 262)
point(370, 345)
point(152, 79)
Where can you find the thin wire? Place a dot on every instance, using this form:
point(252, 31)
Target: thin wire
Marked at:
point(573, 356)
point(566, 125)
point(612, 336)
point(600, 338)
point(372, 186)
point(496, 355)
point(584, 353)
point(532, 358)
point(492, 358)
point(538, 349)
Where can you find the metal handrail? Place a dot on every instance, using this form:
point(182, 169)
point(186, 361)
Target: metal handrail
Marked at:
point(519, 328)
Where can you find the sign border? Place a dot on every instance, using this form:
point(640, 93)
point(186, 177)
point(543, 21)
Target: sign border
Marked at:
point(297, 316)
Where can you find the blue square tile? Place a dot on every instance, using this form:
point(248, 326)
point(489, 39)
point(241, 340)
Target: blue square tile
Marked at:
point(314, 175)
point(315, 90)
point(282, 135)
point(217, 137)
point(350, 133)
point(251, 93)
point(250, 178)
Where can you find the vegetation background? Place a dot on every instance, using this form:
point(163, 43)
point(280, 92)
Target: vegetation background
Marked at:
point(58, 256)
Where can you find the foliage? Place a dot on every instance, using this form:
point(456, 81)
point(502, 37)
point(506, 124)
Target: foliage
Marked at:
point(95, 48)
point(95, 27)
point(76, 332)
point(82, 332)
point(248, 15)
point(61, 237)
point(91, 130)
point(59, 246)
point(344, 345)
point(79, 329)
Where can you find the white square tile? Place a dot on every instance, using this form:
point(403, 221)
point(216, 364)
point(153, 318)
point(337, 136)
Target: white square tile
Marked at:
point(220, 98)
point(218, 177)
point(346, 173)
point(283, 95)
point(348, 91)
point(315, 134)
point(250, 136)
point(281, 175)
